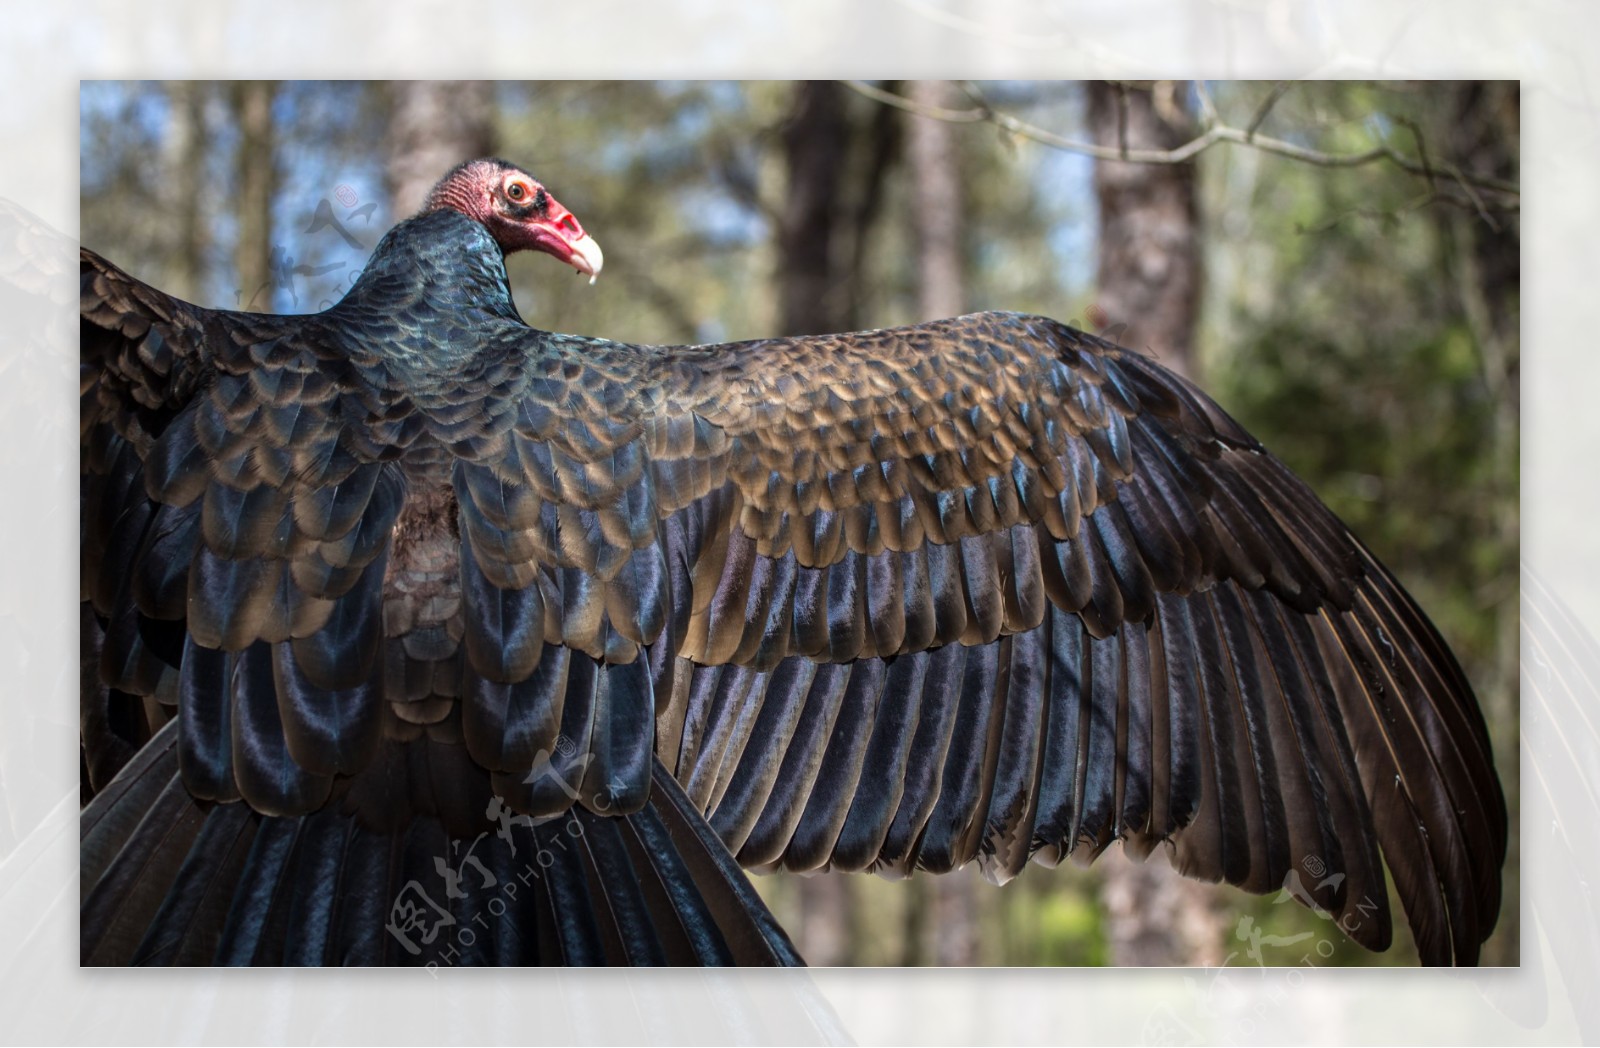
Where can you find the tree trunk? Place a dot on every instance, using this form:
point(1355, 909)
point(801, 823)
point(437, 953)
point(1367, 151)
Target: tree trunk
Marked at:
point(1486, 120)
point(187, 147)
point(1480, 137)
point(936, 205)
point(882, 146)
point(433, 126)
point(1148, 299)
point(255, 185)
point(816, 146)
point(1149, 271)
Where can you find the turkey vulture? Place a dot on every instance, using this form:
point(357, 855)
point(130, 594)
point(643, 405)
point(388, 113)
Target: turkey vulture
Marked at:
point(373, 595)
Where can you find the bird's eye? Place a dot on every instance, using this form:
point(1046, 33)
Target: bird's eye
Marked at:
point(516, 191)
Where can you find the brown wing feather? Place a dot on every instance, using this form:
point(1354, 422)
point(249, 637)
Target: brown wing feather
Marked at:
point(1169, 637)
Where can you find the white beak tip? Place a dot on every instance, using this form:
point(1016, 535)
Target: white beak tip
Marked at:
point(587, 257)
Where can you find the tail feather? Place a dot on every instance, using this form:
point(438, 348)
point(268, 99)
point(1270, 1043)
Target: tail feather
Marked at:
point(116, 912)
point(174, 880)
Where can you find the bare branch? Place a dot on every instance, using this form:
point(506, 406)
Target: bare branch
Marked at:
point(955, 116)
point(1472, 194)
point(983, 112)
point(1390, 215)
point(1277, 92)
point(1422, 153)
point(1422, 147)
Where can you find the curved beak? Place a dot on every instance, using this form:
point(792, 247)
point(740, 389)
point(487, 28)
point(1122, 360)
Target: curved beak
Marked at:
point(587, 257)
point(557, 232)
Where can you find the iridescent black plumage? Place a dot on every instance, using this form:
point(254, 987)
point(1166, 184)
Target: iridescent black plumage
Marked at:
point(986, 588)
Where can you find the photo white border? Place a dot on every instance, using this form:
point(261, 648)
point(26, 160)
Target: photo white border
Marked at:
point(47, 49)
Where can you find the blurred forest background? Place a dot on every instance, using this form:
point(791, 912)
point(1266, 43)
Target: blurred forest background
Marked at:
point(1361, 318)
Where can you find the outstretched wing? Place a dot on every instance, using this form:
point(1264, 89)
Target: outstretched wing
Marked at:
point(984, 589)
point(234, 534)
point(980, 589)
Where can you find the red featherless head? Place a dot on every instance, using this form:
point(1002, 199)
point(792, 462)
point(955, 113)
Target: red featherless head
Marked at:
point(518, 211)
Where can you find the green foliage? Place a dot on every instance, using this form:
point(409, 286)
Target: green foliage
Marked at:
point(1361, 370)
point(1053, 919)
point(1340, 331)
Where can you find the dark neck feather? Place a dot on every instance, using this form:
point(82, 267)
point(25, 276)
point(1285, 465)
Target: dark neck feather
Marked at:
point(433, 294)
point(445, 258)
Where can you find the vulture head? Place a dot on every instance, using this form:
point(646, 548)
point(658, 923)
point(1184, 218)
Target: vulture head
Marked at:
point(518, 211)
